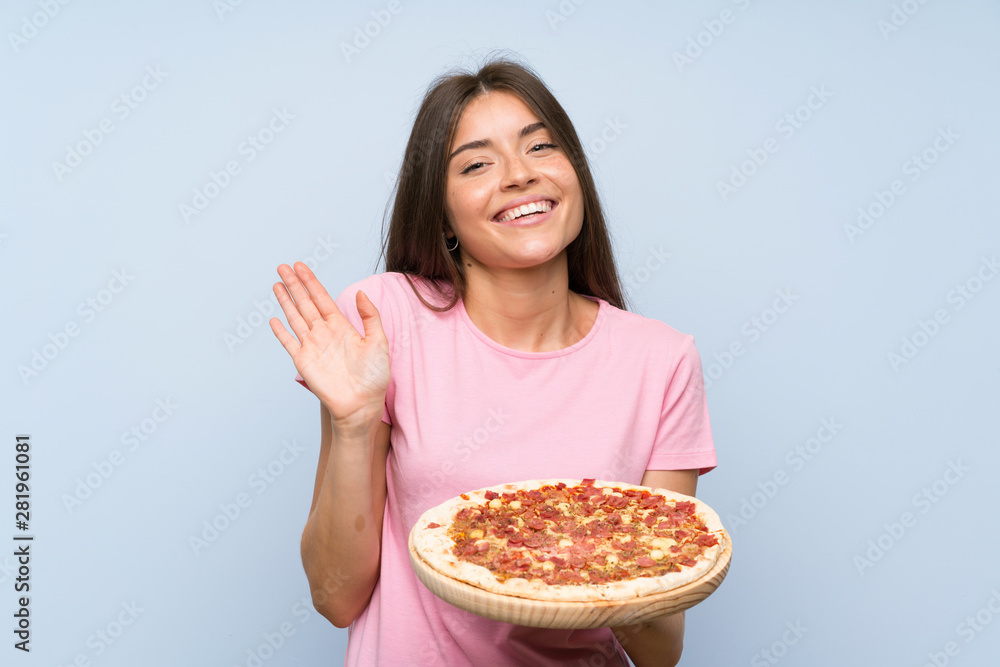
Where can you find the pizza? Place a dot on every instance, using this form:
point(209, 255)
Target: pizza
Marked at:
point(571, 540)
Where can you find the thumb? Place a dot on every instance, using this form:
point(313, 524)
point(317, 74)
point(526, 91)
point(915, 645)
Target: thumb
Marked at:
point(369, 316)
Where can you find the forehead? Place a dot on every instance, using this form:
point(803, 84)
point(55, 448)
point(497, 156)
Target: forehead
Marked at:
point(495, 113)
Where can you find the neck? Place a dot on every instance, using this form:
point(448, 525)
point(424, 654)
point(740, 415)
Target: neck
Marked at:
point(531, 310)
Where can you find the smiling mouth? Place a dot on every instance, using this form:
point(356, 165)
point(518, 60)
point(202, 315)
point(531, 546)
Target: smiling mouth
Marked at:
point(527, 211)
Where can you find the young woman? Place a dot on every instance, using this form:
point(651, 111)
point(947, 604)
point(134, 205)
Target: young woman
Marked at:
point(494, 348)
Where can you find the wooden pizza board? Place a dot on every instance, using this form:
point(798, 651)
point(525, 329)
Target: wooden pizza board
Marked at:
point(569, 615)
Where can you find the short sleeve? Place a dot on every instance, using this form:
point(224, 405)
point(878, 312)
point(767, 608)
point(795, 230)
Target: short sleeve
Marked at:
point(684, 436)
point(347, 303)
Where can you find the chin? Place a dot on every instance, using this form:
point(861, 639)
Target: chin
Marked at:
point(535, 259)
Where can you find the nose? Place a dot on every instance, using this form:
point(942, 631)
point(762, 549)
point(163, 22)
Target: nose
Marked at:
point(518, 172)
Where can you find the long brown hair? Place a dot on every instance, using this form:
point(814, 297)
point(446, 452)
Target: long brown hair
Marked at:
point(415, 244)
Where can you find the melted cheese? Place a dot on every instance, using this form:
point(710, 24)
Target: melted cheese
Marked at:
point(662, 542)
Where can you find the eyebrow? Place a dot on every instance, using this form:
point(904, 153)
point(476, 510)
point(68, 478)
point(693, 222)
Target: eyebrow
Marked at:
point(484, 143)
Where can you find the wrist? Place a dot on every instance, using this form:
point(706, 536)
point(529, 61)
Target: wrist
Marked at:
point(361, 425)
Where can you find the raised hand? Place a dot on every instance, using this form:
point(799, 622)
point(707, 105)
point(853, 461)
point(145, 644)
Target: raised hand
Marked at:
point(349, 373)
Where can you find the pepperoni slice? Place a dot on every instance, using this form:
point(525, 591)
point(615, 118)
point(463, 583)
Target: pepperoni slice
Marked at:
point(600, 529)
point(597, 577)
point(534, 541)
point(569, 576)
point(645, 561)
point(536, 523)
point(706, 540)
point(548, 512)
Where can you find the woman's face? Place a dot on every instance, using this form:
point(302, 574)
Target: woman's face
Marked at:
point(503, 157)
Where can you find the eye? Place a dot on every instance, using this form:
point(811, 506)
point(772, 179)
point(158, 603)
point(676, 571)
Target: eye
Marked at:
point(474, 165)
point(542, 146)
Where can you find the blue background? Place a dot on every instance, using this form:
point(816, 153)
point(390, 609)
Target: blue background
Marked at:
point(877, 548)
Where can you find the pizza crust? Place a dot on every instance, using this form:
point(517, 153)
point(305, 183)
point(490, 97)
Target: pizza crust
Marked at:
point(433, 546)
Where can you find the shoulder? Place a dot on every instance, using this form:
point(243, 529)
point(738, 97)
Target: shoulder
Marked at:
point(397, 287)
point(395, 295)
point(655, 337)
point(375, 285)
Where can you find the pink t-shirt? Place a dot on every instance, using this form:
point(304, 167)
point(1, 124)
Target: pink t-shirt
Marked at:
point(467, 412)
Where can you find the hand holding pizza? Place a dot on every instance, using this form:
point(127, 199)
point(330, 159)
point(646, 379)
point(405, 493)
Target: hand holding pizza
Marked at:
point(348, 372)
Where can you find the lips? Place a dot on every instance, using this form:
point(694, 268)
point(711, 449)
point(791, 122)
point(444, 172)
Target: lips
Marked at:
point(524, 206)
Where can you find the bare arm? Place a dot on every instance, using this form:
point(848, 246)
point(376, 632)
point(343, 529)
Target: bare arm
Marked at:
point(341, 542)
point(659, 642)
point(349, 373)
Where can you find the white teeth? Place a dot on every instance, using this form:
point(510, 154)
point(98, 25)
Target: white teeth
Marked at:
point(533, 207)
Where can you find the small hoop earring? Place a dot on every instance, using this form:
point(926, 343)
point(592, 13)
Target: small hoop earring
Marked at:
point(452, 248)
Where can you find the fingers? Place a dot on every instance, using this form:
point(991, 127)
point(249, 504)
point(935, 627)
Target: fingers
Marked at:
point(286, 339)
point(295, 321)
point(303, 300)
point(369, 316)
point(320, 298)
